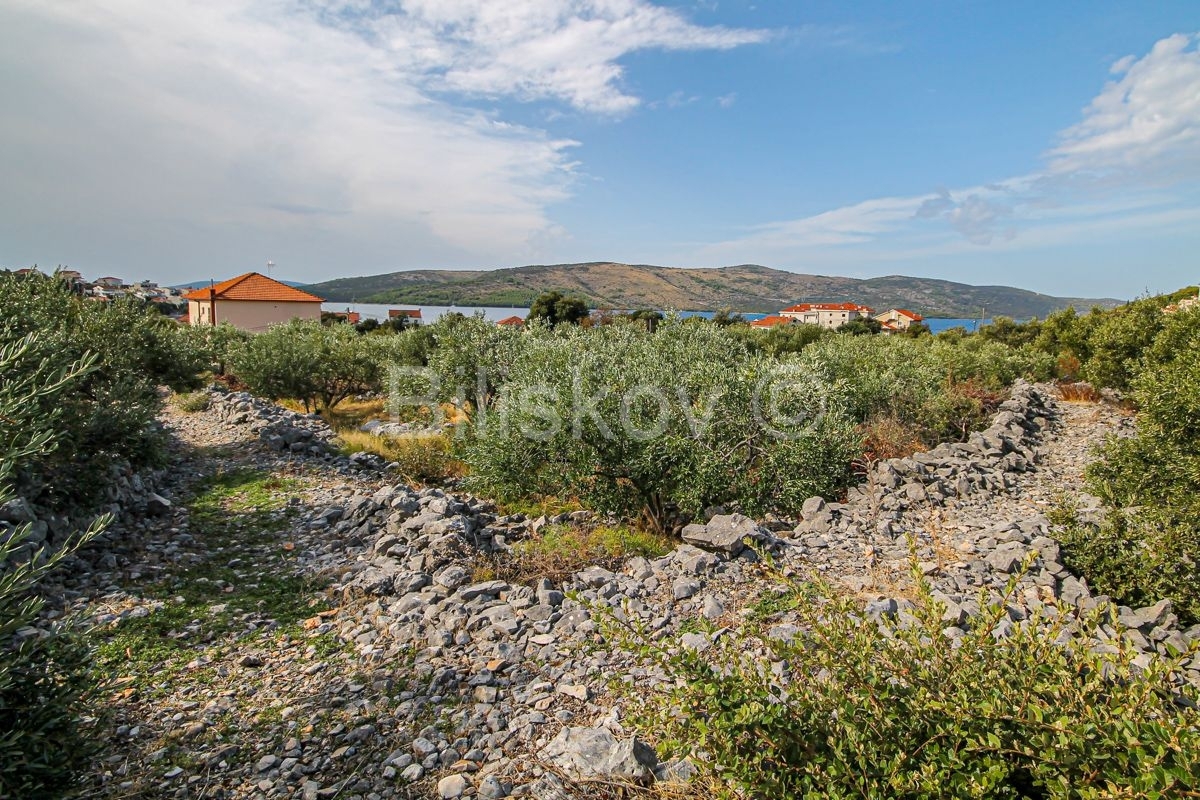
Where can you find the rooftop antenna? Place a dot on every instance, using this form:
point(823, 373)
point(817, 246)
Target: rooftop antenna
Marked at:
point(270, 266)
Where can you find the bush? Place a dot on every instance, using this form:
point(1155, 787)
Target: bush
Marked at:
point(640, 423)
point(310, 362)
point(45, 682)
point(470, 358)
point(110, 415)
point(852, 707)
point(218, 344)
point(1148, 546)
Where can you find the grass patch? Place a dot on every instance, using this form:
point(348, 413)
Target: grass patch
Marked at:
point(776, 601)
point(558, 551)
point(1078, 392)
point(532, 508)
point(191, 402)
point(421, 458)
point(205, 606)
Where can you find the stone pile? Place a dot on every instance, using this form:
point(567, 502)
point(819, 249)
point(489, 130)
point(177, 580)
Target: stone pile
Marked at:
point(279, 428)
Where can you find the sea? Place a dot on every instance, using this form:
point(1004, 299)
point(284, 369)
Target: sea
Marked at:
point(429, 314)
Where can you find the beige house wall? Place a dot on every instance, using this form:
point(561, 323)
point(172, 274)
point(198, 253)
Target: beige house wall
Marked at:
point(895, 317)
point(251, 315)
point(826, 319)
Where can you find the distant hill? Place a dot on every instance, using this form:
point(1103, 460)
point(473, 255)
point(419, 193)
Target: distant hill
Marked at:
point(204, 284)
point(748, 287)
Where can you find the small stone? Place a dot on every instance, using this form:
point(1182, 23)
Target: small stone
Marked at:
point(266, 762)
point(452, 786)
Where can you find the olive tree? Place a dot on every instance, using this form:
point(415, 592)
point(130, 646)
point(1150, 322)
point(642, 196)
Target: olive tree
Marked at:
point(641, 423)
point(316, 364)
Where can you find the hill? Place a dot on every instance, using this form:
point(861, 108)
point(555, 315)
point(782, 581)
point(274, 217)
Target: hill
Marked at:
point(747, 287)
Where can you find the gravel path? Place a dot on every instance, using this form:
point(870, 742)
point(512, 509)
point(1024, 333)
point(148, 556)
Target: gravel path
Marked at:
point(248, 664)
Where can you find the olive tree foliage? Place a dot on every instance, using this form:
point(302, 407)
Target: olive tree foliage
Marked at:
point(44, 679)
point(109, 416)
point(316, 364)
point(555, 308)
point(465, 361)
point(641, 423)
point(218, 343)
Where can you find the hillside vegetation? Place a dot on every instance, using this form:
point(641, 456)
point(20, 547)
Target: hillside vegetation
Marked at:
point(747, 287)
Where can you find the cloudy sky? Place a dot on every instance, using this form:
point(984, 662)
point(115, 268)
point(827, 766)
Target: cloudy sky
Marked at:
point(1050, 146)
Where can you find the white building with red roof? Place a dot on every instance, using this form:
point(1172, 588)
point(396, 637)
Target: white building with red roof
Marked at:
point(827, 315)
point(252, 302)
point(898, 319)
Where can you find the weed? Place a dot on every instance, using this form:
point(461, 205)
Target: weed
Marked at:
point(1078, 392)
point(420, 458)
point(557, 551)
point(192, 402)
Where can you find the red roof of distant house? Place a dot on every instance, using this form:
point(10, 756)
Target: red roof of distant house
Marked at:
point(353, 317)
point(770, 322)
point(253, 286)
point(413, 313)
point(801, 307)
point(904, 312)
point(514, 320)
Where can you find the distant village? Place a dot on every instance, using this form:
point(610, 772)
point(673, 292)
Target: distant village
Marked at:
point(254, 302)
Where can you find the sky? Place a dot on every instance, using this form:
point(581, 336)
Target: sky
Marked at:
point(1051, 146)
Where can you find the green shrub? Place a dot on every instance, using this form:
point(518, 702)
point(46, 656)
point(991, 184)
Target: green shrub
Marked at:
point(110, 415)
point(310, 362)
point(1118, 340)
point(851, 707)
point(1138, 557)
point(1148, 546)
point(633, 422)
point(218, 344)
point(45, 682)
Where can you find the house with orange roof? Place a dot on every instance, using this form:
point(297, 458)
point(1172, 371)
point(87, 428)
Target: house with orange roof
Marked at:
point(771, 322)
point(411, 314)
point(252, 302)
point(347, 316)
point(898, 319)
point(513, 321)
point(827, 315)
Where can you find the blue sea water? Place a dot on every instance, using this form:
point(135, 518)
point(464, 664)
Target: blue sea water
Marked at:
point(432, 313)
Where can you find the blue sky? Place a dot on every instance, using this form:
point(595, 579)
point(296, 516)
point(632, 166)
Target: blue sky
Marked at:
point(1050, 146)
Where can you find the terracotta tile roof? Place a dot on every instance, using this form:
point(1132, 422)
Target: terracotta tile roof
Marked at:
point(413, 313)
point(770, 322)
point(914, 316)
point(514, 320)
point(801, 307)
point(253, 286)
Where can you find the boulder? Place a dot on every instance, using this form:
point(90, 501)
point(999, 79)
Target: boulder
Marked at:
point(596, 753)
point(723, 533)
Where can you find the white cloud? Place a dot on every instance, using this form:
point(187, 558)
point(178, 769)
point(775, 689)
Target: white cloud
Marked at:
point(200, 130)
point(564, 50)
point(1147, 123)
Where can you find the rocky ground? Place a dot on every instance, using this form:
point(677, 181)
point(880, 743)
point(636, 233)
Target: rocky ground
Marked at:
point(291, 623)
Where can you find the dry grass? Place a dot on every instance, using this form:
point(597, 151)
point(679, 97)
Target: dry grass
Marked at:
point(191, 402)
point(422, 458)
point(558, 551)
point(1078, 392)
point(889, 437)
point(353, 413)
